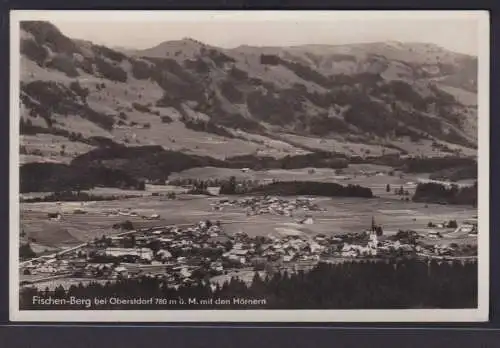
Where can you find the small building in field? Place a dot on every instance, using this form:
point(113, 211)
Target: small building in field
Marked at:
point(308, 220)
point(469, 226)
point(434, 234)
point(164, 254)
point(143, 253)
point(54, 216)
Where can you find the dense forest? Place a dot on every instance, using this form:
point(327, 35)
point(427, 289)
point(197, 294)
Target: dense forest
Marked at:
point(212, 182)
point(71, 196)
point(430, 165)
point(115, 165)
point(128, 167)
point(53, 177)
point(438, 193)
point(318, 159)
point(292, 188)
point(350, 285)
point(456, 173)
point(312, 188)
point(158, 159)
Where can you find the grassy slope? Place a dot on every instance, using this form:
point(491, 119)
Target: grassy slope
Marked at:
point(118, 97)
point(248, 59)
point(47, 148)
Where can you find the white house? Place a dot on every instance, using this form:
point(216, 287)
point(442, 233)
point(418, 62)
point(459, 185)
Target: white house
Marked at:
point(307, 221)
point(54, 216)
point(144, 253)
point(434, 234)
point(164, 254)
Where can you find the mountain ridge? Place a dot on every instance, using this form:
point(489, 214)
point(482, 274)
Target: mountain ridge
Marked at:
point(252, 98)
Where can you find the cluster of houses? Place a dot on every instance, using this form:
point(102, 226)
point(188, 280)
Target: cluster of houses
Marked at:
point(395, 247)
point(469, 228)
point(356, 250)
point(269, 205)
point(452, 250)
point(131, 213)
point(183, 254)
point(114, 213)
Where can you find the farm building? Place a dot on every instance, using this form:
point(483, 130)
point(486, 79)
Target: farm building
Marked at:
point(144, 253)
point(434, 234)
point(164, 254)
point(54, 216)
point(307, 221)
point(468, 226)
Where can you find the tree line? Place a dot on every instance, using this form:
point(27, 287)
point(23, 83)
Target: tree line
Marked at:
point(211, 182)
point(116, 165)
point(439, 193)
point(431, 165)
point(72, 196)
point(57, 177)
point(234, 186)
point(401, 284)
point(312, 188)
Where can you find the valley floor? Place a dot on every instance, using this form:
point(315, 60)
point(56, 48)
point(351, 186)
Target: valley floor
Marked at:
point(341, 215)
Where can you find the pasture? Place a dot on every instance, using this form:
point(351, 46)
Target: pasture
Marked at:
point(50, 148)
point(342, 215)
point(348, 147)
point(373, 176)
point(114, 98)
point(354, 215)
point(308, 173)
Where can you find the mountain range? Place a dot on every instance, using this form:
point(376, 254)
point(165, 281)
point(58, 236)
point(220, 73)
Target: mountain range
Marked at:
point(191, 97)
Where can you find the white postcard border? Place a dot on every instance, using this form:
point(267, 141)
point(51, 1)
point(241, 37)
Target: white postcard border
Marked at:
point(410, 315)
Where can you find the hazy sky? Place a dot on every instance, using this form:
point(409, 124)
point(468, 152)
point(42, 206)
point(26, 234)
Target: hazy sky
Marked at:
point(457, 31)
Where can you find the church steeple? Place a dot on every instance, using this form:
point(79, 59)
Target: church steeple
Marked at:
point(376, 229)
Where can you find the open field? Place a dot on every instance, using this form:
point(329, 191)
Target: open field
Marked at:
point(338, 145)
point(424, 147)
point(354, 215)
point(463, 96)
point(175, 136)
point(341, 215)
point(76, 228)
point(356, 174)
point(111, 191)
point(421, 147)
point(317, 174)
point(50, 148)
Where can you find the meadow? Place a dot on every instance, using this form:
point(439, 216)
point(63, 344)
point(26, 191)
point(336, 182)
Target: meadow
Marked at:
point(341, 215)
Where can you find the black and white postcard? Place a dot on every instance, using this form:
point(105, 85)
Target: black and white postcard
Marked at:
point(246, 166)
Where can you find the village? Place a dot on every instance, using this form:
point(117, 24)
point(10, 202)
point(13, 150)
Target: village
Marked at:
point(186, 254)
point(270, 205)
